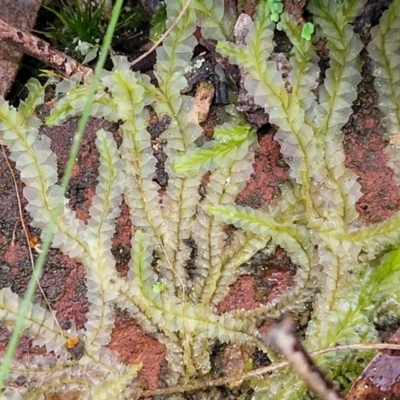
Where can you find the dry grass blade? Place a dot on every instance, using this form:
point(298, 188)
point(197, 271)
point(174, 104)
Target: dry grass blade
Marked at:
point(167, 32)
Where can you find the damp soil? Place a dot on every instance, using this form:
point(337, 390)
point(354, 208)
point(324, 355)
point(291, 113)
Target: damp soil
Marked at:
point(63, 279)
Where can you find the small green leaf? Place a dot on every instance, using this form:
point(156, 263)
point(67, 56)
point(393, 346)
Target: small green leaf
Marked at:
point(249, 365)
point(307, 31)
point(276, 8)
point(159, 287)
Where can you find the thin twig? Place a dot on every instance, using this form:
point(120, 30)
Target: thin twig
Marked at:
point(165, 34)
point(281, 337)
point(257, 373)
point(28, 236)
point(40, 49)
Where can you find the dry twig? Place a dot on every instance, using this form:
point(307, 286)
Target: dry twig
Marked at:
point(282, 338)
point(40, 49)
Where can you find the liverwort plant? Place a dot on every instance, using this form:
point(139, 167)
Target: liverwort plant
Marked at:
point(314, 219)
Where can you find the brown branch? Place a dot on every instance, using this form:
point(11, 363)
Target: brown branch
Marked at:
point(40, 49)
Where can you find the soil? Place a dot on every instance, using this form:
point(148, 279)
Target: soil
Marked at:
point(63, 279)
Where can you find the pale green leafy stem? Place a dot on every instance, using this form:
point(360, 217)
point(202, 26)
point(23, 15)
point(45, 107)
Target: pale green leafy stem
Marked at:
point(314, 220)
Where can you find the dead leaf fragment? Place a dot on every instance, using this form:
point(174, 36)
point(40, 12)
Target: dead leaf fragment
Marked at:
point(203, 99)
point(380, 380)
